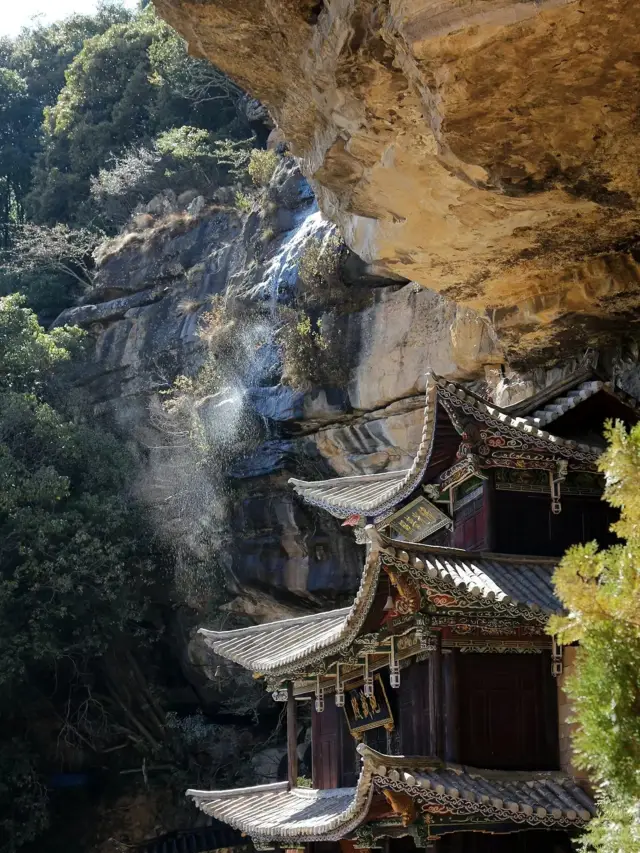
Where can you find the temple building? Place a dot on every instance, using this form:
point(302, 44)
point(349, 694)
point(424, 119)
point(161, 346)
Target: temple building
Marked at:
point(435, 694)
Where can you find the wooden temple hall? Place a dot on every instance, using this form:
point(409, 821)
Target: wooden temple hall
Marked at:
point(435, 721)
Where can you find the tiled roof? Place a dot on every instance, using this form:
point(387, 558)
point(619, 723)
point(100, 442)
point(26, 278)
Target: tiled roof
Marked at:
point(542, 798)
point(266, 647)
point(563, 403)
point(455, 395)
point(276, 647)
point(501, 577)
point(559, 398)
point(276, 812)
point(374, 494)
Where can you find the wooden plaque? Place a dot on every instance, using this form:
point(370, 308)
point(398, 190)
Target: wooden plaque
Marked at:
point(417, 520)
point(367, 712)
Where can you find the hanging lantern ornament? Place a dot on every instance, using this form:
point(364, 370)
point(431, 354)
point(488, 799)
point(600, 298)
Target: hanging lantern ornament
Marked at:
point(319, 704)
point(394, 666)
point(339, 689)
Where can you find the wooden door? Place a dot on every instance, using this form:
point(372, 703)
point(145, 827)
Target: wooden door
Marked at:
point(334, 760)
point(507, 711)
point(413, 709)
point(326, 746)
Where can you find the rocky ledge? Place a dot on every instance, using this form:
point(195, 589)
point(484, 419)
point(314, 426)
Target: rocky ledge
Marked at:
point(486, 149)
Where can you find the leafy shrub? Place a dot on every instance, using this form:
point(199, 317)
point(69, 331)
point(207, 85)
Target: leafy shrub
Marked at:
point(262, 165)
point(314, 352)
point(319, 262)
point(244, 202)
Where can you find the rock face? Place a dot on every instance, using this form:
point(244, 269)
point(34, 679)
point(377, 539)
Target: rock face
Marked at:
point(486, 149)
point(154, 285)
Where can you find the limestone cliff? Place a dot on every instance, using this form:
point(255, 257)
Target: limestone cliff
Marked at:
point(486, 149)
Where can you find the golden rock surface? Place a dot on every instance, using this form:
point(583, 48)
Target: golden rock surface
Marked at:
point(487, 149)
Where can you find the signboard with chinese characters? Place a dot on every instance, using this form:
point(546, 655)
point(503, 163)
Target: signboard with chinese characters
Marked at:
point(367, 712)
point(417, 520)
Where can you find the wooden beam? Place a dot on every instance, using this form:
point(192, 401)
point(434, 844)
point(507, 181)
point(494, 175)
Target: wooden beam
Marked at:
point(489, 498)
point(292, 737)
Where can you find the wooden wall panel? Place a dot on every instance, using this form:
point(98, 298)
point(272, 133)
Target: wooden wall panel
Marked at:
point(326, 746)
point(532, 841)
point(470, 525)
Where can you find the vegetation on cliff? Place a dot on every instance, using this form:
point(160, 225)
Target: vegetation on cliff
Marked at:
point(98, 114)
point(600, 590)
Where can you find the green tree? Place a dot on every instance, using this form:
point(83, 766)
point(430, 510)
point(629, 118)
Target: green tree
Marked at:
point(17, 144)
point(32, 69)
point(600, 590)
point(116, 96)
point(74, 559)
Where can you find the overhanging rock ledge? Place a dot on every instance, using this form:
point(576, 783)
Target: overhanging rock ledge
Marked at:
point(487, 150)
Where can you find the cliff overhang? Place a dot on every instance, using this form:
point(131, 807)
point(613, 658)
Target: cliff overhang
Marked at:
point(486, 149)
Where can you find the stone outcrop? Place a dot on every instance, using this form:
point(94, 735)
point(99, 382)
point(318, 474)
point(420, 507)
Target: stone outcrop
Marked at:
point(486, 149)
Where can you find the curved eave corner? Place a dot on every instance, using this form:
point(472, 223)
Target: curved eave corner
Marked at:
point(278, 813)
point(275, 648)
point(373, 495)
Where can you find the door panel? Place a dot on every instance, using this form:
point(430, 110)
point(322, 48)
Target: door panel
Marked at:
point(325, 746)
point(507, 711)
point(413, 709)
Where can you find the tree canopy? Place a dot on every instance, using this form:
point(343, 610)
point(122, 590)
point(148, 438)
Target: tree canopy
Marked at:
point(97, 113)
point(600, 590)
point(75, 563)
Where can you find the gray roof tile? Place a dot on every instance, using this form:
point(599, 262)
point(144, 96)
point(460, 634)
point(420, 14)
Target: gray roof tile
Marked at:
point(373, 495)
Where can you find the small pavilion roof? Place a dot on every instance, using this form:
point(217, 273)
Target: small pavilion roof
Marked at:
point(558, 399)
point(277, 812)
point(374, 495)
point(277, 647)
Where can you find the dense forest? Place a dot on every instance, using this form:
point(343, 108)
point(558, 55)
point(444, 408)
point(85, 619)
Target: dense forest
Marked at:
point(97, 114)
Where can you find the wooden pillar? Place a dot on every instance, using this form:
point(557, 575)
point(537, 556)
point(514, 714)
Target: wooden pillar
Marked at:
point(490, 518)
point(436, 700)
point(450, 698)
point(292, 737)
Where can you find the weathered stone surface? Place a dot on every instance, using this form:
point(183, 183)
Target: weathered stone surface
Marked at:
point(487, 148)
